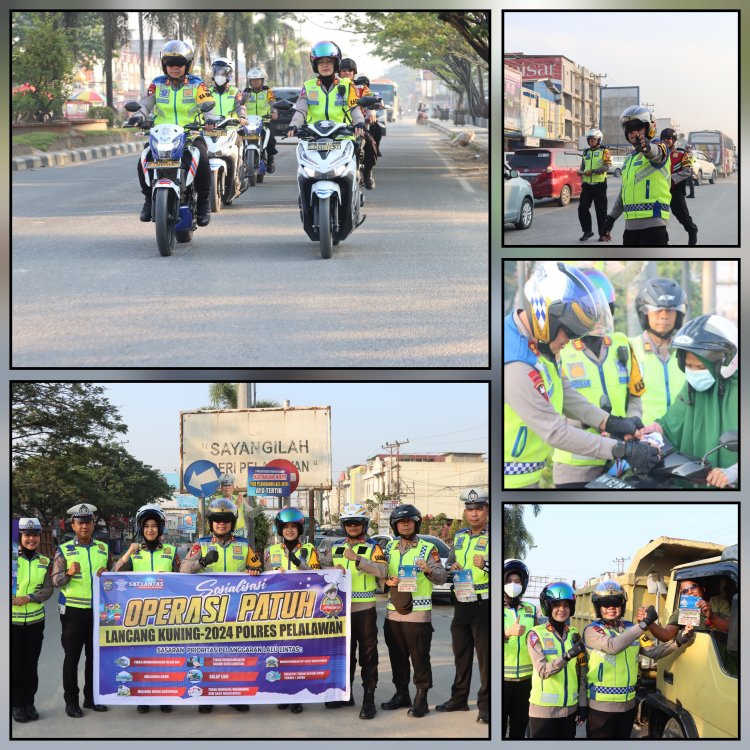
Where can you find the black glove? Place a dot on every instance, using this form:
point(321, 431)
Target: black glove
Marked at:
point(682, 638)
point(651, 616)
point(574, 650)
point(136, 120)
point(209, 558)
point(622, 426)
point(294, 558)
point(293, 129)
point(581, 714)
point(609, 222)
point(640, 455)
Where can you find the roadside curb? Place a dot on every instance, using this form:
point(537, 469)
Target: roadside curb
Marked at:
point(458, 128)
point(63, 158)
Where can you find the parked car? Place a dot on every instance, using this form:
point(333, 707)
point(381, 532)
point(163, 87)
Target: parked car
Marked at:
point(703, 167)
point(518, 199)
point(552, 172)
point(616, 166)
point(291, 94)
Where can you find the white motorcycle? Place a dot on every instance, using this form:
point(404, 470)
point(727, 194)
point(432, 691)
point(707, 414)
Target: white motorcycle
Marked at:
point(256, 143)
point(228, 172)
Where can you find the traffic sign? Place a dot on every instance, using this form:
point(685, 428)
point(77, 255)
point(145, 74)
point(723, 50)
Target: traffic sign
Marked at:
point(282, 463)
point(268, 480)
point(202, 478)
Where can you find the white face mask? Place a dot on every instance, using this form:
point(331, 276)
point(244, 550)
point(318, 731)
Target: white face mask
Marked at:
point(701, 380)
point(220, 80)
point(513, 589)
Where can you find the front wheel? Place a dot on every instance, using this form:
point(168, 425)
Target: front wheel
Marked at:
point(164, 221)
point(527, 214)
point(325, 207)
point(618, 172)
point(217, 189)
point(712, 178)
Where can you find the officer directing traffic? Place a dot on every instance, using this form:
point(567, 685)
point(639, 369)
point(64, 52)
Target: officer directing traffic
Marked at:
point(595, 164)
point(76, 566)
point(470, 628)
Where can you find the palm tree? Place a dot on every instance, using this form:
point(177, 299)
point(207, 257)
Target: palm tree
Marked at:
point(516, 537)
point(224, 396)
point(116, 33)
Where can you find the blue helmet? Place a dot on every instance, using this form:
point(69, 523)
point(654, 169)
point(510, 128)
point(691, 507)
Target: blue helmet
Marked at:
point(600, 281)
point(326, 49)
point(556, 592)
point(289, 515)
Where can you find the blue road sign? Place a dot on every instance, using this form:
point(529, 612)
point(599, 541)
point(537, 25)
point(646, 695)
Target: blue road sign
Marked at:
point(201, 478)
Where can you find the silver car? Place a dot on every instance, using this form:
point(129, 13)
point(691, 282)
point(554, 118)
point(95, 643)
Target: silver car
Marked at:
point(518, 199)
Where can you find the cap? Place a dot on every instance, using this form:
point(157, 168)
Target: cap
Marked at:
point(226, 479)
point(82, 512)
point(29, 526)
point(475, 498)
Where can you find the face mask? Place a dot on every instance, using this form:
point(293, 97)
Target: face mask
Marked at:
point(700, 380)
point(220, 80)
point(513, 589)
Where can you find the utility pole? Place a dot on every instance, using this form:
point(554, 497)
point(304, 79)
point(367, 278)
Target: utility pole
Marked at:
point(245, 395)
point(397, 445)
point(619, 561)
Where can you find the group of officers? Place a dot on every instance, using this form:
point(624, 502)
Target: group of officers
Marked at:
point(654, 177)
point(407, 629)
point(576, 391)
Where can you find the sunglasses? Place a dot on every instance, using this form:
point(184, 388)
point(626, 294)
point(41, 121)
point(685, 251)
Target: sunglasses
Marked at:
point(688, 589)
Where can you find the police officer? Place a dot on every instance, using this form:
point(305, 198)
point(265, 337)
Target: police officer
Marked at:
point(228, 491)
point(613, 646)
point(558, 682)
point(408, 619)
point(682, 167)
point(151, 555)
point(291, 554)
point(33, 586)
point(560, 305)
point(222, 551)
point(76, 565)
point(595, 164)
point(605, 371)
point(259, 99)
point(470, 627)
point(661, 305)
point(519, 617)
point(365, 561)
point(644, 197)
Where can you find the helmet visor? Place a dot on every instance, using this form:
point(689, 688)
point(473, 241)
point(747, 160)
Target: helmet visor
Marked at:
point(588, 314)
point(611, 601)
point(221, 517)
point(324, 49)
point(174, 61)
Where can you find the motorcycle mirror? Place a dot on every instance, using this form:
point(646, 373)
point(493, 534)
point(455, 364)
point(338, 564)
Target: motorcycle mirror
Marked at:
point(730, 440)
point(367, 101)
point(282, 104)
point(132, 106)
point(691, 468)
point(207, 106)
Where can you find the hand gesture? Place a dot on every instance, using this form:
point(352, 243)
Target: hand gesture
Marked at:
point(392, 581)
point(456, 566)
point(643, 143)
point(705, 608)
point(74, 569)
point(420, 564)
point(478, 561)
point(20, 601)
point(350, 554)
point(134, 547)
point(516, 628)
point(684, 635)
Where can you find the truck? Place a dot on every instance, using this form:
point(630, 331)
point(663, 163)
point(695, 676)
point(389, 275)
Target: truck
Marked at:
point(693, 693)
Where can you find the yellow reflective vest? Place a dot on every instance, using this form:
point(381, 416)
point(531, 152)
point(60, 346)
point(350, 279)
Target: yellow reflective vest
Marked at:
point(646, 187)
point(278, 555)
point(235, 557)
point(78, 592)
point(364, 585)
point(516, 660)
point(664, 380)
point(179, 106)
point(595, 159)
point(561, 688)
point(161, 559)
point(422, 597)
point(30, 576)
point(465, 546)
point(259, 102)
point(333, 105)
point(226, 100)
point(612, 677)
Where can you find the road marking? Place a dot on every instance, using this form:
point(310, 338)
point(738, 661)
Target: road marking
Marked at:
point(461, 181)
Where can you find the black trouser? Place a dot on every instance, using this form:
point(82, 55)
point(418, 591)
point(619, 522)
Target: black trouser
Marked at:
point(560, 729)
point(596, 193)
point(679, 207)
point(690, 182)
point(376, 131)
point(370, 152)
point(202, 174)
point(610, 725)
point(405, 640)
point(470, 630)
point(364, 629)
point(651, 237)
point(25, 647)
point(77, 633)
point(516, 708)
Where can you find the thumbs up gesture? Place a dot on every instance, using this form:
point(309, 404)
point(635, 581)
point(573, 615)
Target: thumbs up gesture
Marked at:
point(516, 628)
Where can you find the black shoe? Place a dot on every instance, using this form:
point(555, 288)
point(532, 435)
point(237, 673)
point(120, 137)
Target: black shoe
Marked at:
point(420, 707)
point(369, 182)
point(333, 704)
point(690, 196)
point(602, 239)
point(143, 709)
point(399, 700)
point(73, 710)
point(146, 210)
point(483, 718)
point(20, 715)
point(451, 705)
point(167, 709)
point(243, 708)
point(368, 710)
point(282, 706)
point(205, 709)
point(693, 236)
point(270, 166)
point(203, 211)
point(32, 712)
point(95, 706)
point(296, 708)
point(585, 236)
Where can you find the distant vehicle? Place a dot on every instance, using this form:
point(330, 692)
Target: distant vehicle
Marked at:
point(518, 199)
point(388, 91)
point(616, 166)
point(552, 172)
point(291, 94)
point(718, 147)
point(703, 167)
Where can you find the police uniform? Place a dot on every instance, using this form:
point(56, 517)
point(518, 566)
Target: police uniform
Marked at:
point(594, 187)
point(517, 669)
point(163, 558)
point(238, 498)
point(470, 627)
point(613, 377)
point(75, 605)
point(316, 102)
point(682, 167)
point(33, 580)
point(235, 556)
point(278, 557)
point(259, 103)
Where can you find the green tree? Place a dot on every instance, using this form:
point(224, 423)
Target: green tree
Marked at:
point(224, 396)
point(517, 539)
point(263, 532)
point(116, 33)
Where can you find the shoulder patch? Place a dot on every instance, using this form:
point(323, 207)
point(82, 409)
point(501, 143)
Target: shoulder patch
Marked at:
point(538, 383)
point(599, 629)
point(533, 637)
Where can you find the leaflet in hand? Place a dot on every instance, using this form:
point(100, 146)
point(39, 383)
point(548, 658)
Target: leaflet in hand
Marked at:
point(407, 578)
point(689, 613)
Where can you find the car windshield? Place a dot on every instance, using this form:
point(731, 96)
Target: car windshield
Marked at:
point(529, 159)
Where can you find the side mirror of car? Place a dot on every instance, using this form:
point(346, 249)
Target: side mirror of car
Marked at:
point(513, 173)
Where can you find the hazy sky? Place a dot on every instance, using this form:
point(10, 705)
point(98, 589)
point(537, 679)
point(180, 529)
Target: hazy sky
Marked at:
point(434, 417)
point(578, 542)
point(686, 64)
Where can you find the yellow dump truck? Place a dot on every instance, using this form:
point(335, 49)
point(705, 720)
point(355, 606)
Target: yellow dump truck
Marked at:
point(693, 693)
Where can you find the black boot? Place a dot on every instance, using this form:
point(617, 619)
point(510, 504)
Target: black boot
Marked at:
point(585, 236)
point(369, 180)
point(203, 210)
point(693, 235)
point(32, 712)
point(143, 709)
point(368, 709)
point(401, 699)
point(452, 705)
point(420, 707)
point(19, 714)
point(146, 210)
point(270, 165)
point(296, 708)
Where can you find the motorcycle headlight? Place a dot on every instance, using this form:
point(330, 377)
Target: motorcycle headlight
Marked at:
point(309, 171)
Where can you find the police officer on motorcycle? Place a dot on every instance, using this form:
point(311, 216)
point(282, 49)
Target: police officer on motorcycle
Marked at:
point(259, 100)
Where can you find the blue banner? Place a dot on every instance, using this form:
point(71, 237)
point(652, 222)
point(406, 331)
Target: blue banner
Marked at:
point(267, 480)
point(171, 638)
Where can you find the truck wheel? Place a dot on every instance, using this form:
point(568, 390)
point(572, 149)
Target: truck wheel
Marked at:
point(673, 730)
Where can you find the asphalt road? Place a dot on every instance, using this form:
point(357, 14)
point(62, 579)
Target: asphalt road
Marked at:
point(715, 210)
point(409, 288)
point(266, 721)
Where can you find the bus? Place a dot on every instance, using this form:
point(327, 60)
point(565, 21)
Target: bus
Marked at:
point(388, 91)
point(717, 146)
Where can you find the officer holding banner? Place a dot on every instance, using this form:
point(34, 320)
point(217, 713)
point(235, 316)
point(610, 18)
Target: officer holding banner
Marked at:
point(226, 489)
point(75, 568)
point(469, 559)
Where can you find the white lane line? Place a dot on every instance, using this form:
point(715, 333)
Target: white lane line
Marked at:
point(461, 181)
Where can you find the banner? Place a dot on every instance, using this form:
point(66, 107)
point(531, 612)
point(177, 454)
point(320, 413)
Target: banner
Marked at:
point(171, 638)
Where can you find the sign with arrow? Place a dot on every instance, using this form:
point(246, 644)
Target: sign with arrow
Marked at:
point(201, 478)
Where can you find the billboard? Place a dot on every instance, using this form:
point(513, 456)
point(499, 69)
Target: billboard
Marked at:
point(538, 68)
point(613, 101)
point(236, 439)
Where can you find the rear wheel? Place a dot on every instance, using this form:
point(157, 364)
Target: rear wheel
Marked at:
point(165, 232)
point(712, 178)
point(325, 208)
point(565, 196)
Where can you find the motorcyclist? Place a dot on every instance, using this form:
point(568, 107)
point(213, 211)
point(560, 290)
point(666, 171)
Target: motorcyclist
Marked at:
point(377, 131)
point(175, 98)
point(259, 100)
point(327, 97)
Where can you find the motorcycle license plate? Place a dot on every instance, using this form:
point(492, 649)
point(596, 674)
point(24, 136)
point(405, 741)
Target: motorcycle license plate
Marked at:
point(324, 146)
point(605, 481)
point(214, 133)
point(161, 164)
point(250, 137)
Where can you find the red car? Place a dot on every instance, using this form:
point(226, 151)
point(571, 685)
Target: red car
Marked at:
point(552, 172)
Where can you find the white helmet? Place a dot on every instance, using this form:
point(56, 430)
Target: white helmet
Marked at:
point(595, 133)
point(153, 511)
point(354, 512)
point(221, 67)
point(638, 117)
point(256, 73)
point(29, 526)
